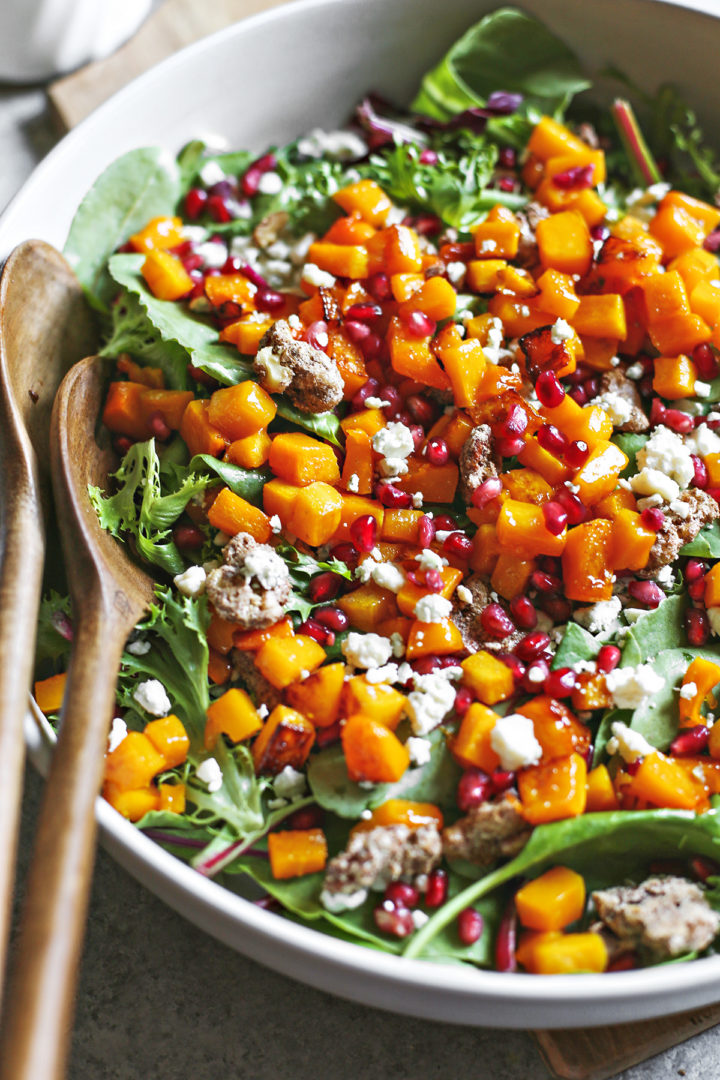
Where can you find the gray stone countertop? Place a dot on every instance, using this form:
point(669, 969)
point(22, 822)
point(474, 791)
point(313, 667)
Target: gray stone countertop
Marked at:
point(157, 997)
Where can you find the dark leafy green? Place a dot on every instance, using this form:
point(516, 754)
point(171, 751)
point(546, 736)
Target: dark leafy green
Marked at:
point(629, 443)
point(706, 544)
point(324, 425)
point(51, 644)
point(248, 483)
point(302, 569)
point(577, 645)
point(132, 332)
point(655, 632)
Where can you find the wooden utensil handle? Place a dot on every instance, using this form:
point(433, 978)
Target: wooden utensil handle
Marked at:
point(34, 1042)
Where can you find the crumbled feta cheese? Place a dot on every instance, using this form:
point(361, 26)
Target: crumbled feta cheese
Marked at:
point(341, 145)
point(653, 481)
point(393, 441)
point(221, 539)
point(581, 666)
point(430, 701)
point(388, 673)
point(118, 731)
point(337, 901)
point(703, 441)
point(561, 331)
point(702, 389)
point(139, 647)
point(629, 744)
point(211, 173)
point(666, 452)
point(635, 372)
point(366, 650)
point(433, 608)
point(513, 740)
point(486, 246)
point(317, 277)
point(375, 403)
point(275, 524)
point(713, 614)
point(212, 253)
point(289, 784)
point(353, 484)
point(682, 509)
point(265, 566)
point(600, 617)
point(419, 918)
point(388, 576)
point(689, 690)
point(463, 594)
point(196, 234)
point(263, 711)
point(649, 501)
point(210, 773)
point(419, 750)
point(536, 674)
point(270, 183)
point(665, 577)
point(430, 560)
point(191, 582)
point(417, 499)
point(456, 272)
point(398, 645)
point(393, 466)
point(152, 697)
point(617, 407)
point(632, 687)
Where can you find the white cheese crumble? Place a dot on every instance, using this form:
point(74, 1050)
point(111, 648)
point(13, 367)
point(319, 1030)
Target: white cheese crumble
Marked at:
point(430, 701)
point(652, 482)
point(665, 577)
point(456, 272)
point(265, 566)
point(561, 331)
point(713, 614)
point(353, 484)
point(393, 441)
point(118, 731)
point(702, 389)
point(633, 687)
point(213, 254)
point(342, 145)
point(703, 441)
point(417, 499)
point(139, 647)
point(420, 750)
point(210, 773)
point(275, 524)
point(289, 784)
point(317, 277)
point(463, 594)
point(388, 673)
point(337, 901)
point(375, 403)
point(152, 697)
point(270, 183)
point(433, 608)
point(629, 744)
point(666, 452)
point(211, 174)
point(689, 690)
point(601, 617)
point(430, 560)
point(392, 466)
point(388, 576)
point(398, 645)
point(191, 582)
point(680, 508)
point(617, 407)
point(513, 740)
point(419, 918)
point(366, 650)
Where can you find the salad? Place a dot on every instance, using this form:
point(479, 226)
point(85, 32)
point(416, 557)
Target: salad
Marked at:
point(417, 429)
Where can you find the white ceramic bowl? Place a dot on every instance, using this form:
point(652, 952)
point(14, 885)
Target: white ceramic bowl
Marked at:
point(267, 80)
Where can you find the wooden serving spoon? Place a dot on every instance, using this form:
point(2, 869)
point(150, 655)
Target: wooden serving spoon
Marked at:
point(45, 326)
point(109, 595)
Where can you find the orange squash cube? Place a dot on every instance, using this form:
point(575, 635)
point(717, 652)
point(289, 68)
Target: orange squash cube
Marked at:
point(550, 139)
point(172, 798)
point(134, 804)
point(674, 377)
point(247, 332)
point(564, 242)
point(285, 739)
point(169, 738)
point(158, 234)
point(300, 459)
point(437, 638)
point(601, 794)
point(436, 298)
point(488, 677)
point(557, 729)
point(401, 812)
point(49, 693)
point(242, 410)
point(198, 433)
point(296, 852)
point(367, 606)
point(521, 526)
point(165, 275)
point(565, 954)
point(342, 260)
point(354, 507)
point(662, 782)
point(279, 499)
point(285, 660)
point(410, 593)
point(318, 697)
point(372, 752)
point(384, 703)
point(471, 747)
point(704, 675)
point(133, 763)
point(553, 790)
point(631, 542)
point(587, 561)
point(316, 513)
point(465, 365)
point(233, 715)
point(601, 316)
point(358, 465)
point(250, 452)
point(232, 514)
point(496, 239)
point(366, 199)
point(551, 901)
point(599, 475)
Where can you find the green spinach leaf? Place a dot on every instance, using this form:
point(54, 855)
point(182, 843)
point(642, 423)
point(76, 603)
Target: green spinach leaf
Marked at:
point(655, 632)
point(577, 645)
point(706, 544)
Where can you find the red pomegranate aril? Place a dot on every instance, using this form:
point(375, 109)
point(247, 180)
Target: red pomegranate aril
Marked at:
point(426, 665)
point(426, 531)
point(714, 492)
point(555, 517)
point(646, 592)
point(368, 389)
point(195, 202)
point(436, 451)
point(437, 888)
point(506, 183)
point(422, 410)
point(418, 324)
point(575, 509)
point(218, 209)
point(697, 626)
point(591, 387)
point(502, 780)
point(704, 868)
point(364, 312)
point(515, 664)
point(463, 700)
point(434, 581)
point(532, 645)
point(575, 178)
point(393, 919)
point(392, 497)
point(158, 427)
point(391, 395)
point(696, 589)
point(458, 544)
point(577, 453)
point(317, 632)
point(678, 421)
point(496, 622)
point(507, 157)
point(333, 618)
point(363, 532)
point(317, 334)
point(701, 477)
point(188, 537)
point(357, 331)
point(535, 676)
point(402, 894)
point(486, 492)
point(506, 940)
point(657, 412)
point(560, 683)
point(523, 612)
point(371, 346)
point(652, 518)
point(690, 741)
point(470, 926)
point(694, 569)
point(192, 262)
point(705, 361)
point(324, 587)
point(418, 435)
point(544, 582)
point(427, 224)
point(309, 817)
point(549, 390)
point(251, 179)
point(599, 232)
point(346, 553)
point(428, 157)
point(379, 287)
point(608, 658)
point(552, 440)
point(557, 607)
point(269, 300)
point(474, 788)
point(509, 447)
point(445, 523)
point(515, 423)
point(712, 241)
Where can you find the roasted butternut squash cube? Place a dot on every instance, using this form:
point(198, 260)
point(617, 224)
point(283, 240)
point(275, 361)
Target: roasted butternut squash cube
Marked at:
point(233, 715)
point(286, 739)
point(296, 852)
point(300, 459)
point(488, 677)
point(554, 789)
point(242, 410)
point(169, 738)
point(372, 752)
point(551, 901)
point(285, 660)
point(318, 697)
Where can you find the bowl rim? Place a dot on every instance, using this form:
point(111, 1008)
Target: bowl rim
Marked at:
point(153, 866)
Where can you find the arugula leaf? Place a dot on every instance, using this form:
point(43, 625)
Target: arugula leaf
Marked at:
point(132, 332)
point(140, 185)
point(577, 644)
point(655, 632)
point(507, 50)
point(603, 847)
point(629, 443)
point(53, 641)
point(706, 544)
point(148, 521)
point(178, 658)
point(324, 425)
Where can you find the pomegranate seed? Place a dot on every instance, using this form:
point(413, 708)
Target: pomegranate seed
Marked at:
point(599, 232)
point(470, 926)
point(701, 477)
point(418, 324)
point(632, 767)
point(705, 361)
point(158, 427)
point(364, 312)
point(391, 394)
point(401, 894)
point(437, 452)
point(506, 183)
point(509, 447)
point(575, 509)
point(577, 453)
point(486, 492)
point(422, 410)
point(544, 582)
point(426, 665)
point(254, 276)
point(195, 202)
point(591, 387)
point(379, 287)
point(332, 617)
point(530, 647)
point(251, 179)
point(575, 178)
point(712, 241)
point(691, 741)
point(346, 553)
point(191, 263)
point(646, 592)
point(502, 780)
point(704, 868)
point(474, 788)
point(188, 537)
point(427, 225)
point(515, 664)
point(428, 157)
point(515, 423)
point(697, 626)
point(317, 334)
point(371, 346)
point(579, 395)
point(557, 607)
point(363, 532)
point(694, 569)
point(357, 331)
point(458, 544)
point(269, 300)
point(445, 523)
point(426, 531)
point(657, 412)
point(626, 962)
point(679, 421)
point(536, 676)
point(394, 920)
point(555, 517)
point(506, 940)
point(560, 683)
point(437, 888)
point(317, 632)
point(218, 209)
point(523, 612)
point(714, 492)
point(549, 390)
point(463, 701)
point(392, 497)
point(368, 389)
point(696, 589)
point(434, 581)
point(496, 622)
point(507, 158)
point(608, 658)
point(652, 518)
point(552, 440)
point(309, 817)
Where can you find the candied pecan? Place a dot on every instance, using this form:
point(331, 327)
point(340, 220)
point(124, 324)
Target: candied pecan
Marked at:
point(252, 587)
point(378, 856)
point(308, 376)
point(491, 831)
